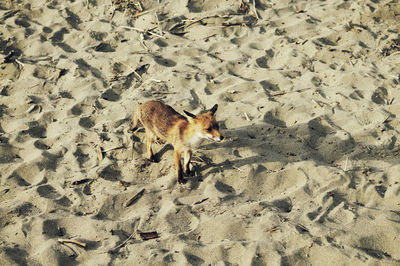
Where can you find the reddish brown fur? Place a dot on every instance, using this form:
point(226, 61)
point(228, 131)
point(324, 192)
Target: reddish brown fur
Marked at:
point(162, 121)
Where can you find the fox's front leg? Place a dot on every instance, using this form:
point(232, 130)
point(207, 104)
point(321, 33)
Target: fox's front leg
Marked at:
point(178, 167)
point(186, 161)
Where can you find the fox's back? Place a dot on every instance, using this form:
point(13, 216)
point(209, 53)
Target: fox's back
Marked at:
point(159, 118)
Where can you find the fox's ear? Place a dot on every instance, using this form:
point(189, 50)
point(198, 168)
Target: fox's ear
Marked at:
point(214, 109)
point(189, 114)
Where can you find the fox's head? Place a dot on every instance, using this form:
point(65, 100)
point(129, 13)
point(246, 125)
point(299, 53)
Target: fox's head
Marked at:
point(205, 124)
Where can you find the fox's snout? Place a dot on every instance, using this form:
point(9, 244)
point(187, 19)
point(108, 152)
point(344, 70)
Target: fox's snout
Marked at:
point(220, 138)
point(216, 138)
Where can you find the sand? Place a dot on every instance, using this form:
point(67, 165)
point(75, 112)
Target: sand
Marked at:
point(308, 94)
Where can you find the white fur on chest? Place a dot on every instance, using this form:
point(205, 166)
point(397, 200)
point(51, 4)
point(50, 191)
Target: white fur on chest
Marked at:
point(195, 141)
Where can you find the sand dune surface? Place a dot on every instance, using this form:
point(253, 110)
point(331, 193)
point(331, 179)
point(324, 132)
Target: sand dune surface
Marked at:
point(308, 94)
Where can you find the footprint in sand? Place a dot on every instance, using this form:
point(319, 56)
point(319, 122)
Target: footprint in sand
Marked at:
point(8, 153)
point(49, 192)
point(41, 145)
point(86, 122)
point(35, 130)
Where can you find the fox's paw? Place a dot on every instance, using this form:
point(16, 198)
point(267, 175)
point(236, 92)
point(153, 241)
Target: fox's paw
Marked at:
point(181, 181)
point(189, 173)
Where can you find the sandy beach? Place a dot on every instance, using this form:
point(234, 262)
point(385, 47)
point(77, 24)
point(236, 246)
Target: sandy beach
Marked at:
point(308, 95)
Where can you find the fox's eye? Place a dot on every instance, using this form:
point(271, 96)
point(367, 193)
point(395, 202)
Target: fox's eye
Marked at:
point(209, 129)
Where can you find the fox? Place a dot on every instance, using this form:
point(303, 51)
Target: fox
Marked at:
point(184, 133)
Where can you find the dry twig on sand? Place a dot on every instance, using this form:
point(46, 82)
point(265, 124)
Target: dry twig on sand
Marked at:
point(280, 93)
point(345, 165)
point(255, 10)
point(200, 201)
point(137, 76)
point(99, 151)
point(144, 31)
point(144, 12)
point(135, 198)
point(122, 244)
point(115, 148)
point(73, 241)
point(274, 229)
point(148, 235)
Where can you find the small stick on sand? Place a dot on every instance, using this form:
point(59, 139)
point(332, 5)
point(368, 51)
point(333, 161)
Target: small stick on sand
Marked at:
point(194, 21)
point(135, 198)
point(314, 101)
point(345, 164)
point(302, 227)
point(200, 201)
point(280, 93)
point(144, 12)
point(115, 148)
point(33, 108)
point(19, 64)
point(133, 150)
point(255, 10)
point(99, 151)
point(73, 241)
point(134, 71)
point(148, 235)
point(387, 118)
point(158, 24)
point(143, 31)
point(274, 229)
point(246, 116)
point(122, 244)
point(163, 92)
point(351, 63)
point(237, 169)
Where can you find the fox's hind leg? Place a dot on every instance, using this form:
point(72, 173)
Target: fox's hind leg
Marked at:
point(149, 140)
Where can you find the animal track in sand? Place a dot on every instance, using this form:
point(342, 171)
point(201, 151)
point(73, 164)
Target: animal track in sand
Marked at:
point(50, 160)
point(114, 207)
point(48, 192)
point(164, 61)
point(8, 153)
point(41, 145)
point(28, 173)
point(35, 130)
point(111, 173)
point(86, 122)
point(181, 221)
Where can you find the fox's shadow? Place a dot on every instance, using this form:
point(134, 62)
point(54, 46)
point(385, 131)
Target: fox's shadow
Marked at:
point(319, 140)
